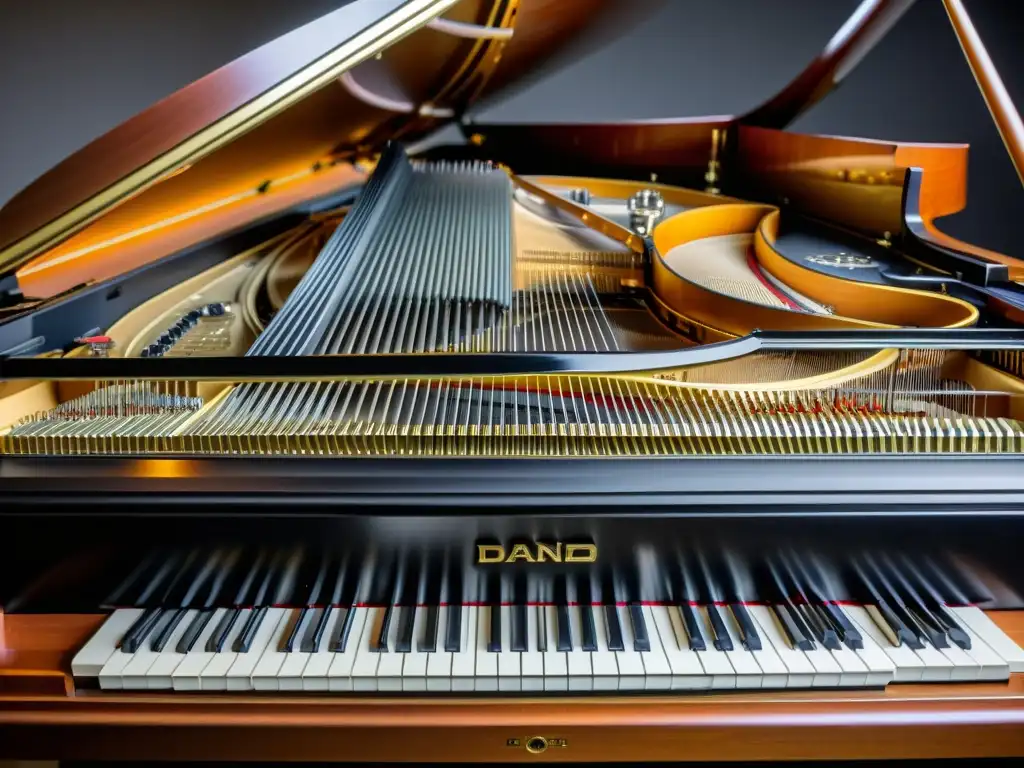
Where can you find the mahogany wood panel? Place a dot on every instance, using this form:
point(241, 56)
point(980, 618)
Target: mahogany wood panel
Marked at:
point(903, 721)
point(329, 122)
point(67, 267)
point(163, 126)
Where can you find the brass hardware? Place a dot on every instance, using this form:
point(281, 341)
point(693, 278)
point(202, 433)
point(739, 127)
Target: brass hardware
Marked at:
point(487, 554)
point(712, 175)
point(536, 744)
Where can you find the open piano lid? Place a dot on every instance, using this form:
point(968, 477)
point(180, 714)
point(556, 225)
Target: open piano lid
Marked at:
point(319, 96)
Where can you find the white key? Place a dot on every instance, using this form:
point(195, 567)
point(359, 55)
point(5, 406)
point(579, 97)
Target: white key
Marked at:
point(289, 678)
point(715, 662)
point(389, 669)
point(439, 663)
point(135, 675)
point(991, 666)
point(509, 661)
point(214, 676)
point(964, 665)
point(486, 676)
point(414, 668)
point(657, 670)
point(748, 672)
point(799, 670)
point(186, 676)
point(908, 665)
point(339, 675)
point(827, 671)
point(578, 660)
point(556, 665)
point(854, 671)
point(464, 660)
point(532, 660)
point(103, 644)
point(880, 669)
point(773, 672)
point(980, 624)
point(317, 667)
point(602, 661)
point(264, 674)
point(391, 664)
point(239, 676)
point(364, 667)
point(159, 676)
point(687, 671)
point(937, 668)
point(632, 676)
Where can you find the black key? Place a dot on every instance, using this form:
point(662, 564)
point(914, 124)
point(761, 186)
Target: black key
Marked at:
point(916, 606)
point(820, 626)
point(794, 630)
point(800, 585)
point(151, 592)
point(641, 640)
point(589, 639)
point(924, 574)
point(381, 643)
point(164, 633)
point(195, 629)
point(406, 621)
point(293, 638)
point(428, 643)
point(266, 581)
point(136, 634)
point(563, 631)
point(615, 641)
point(799, 635)
point(245, 580)
point(749, 638)
point(309, 580)
point(888, 602)
point(494, 641)
point(215, 593)
point(220, 633)
point(953, 629)
point(453, 630)
point(519, 624)
point(848, 633)
point(317, 627)
point(185, 579)
point(342, 630)
point(244, 640)
point(903, 633)
point(722, 640)
point(124, 593)
point(696, 637)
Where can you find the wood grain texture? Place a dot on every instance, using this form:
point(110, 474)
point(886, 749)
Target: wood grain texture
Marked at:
point(427, 67)
point(941, 720)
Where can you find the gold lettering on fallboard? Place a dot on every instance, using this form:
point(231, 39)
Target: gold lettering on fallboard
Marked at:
point(490, 553)
point(558, 552)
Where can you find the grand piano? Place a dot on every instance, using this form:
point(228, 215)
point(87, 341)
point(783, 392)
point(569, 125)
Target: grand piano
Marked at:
point(324, 439)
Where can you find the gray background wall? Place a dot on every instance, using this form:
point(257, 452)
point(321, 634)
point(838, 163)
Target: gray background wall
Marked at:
point(72, 69)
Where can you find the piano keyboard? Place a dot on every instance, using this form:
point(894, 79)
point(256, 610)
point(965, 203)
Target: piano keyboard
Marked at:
point(302, 619)
point(536, 648)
